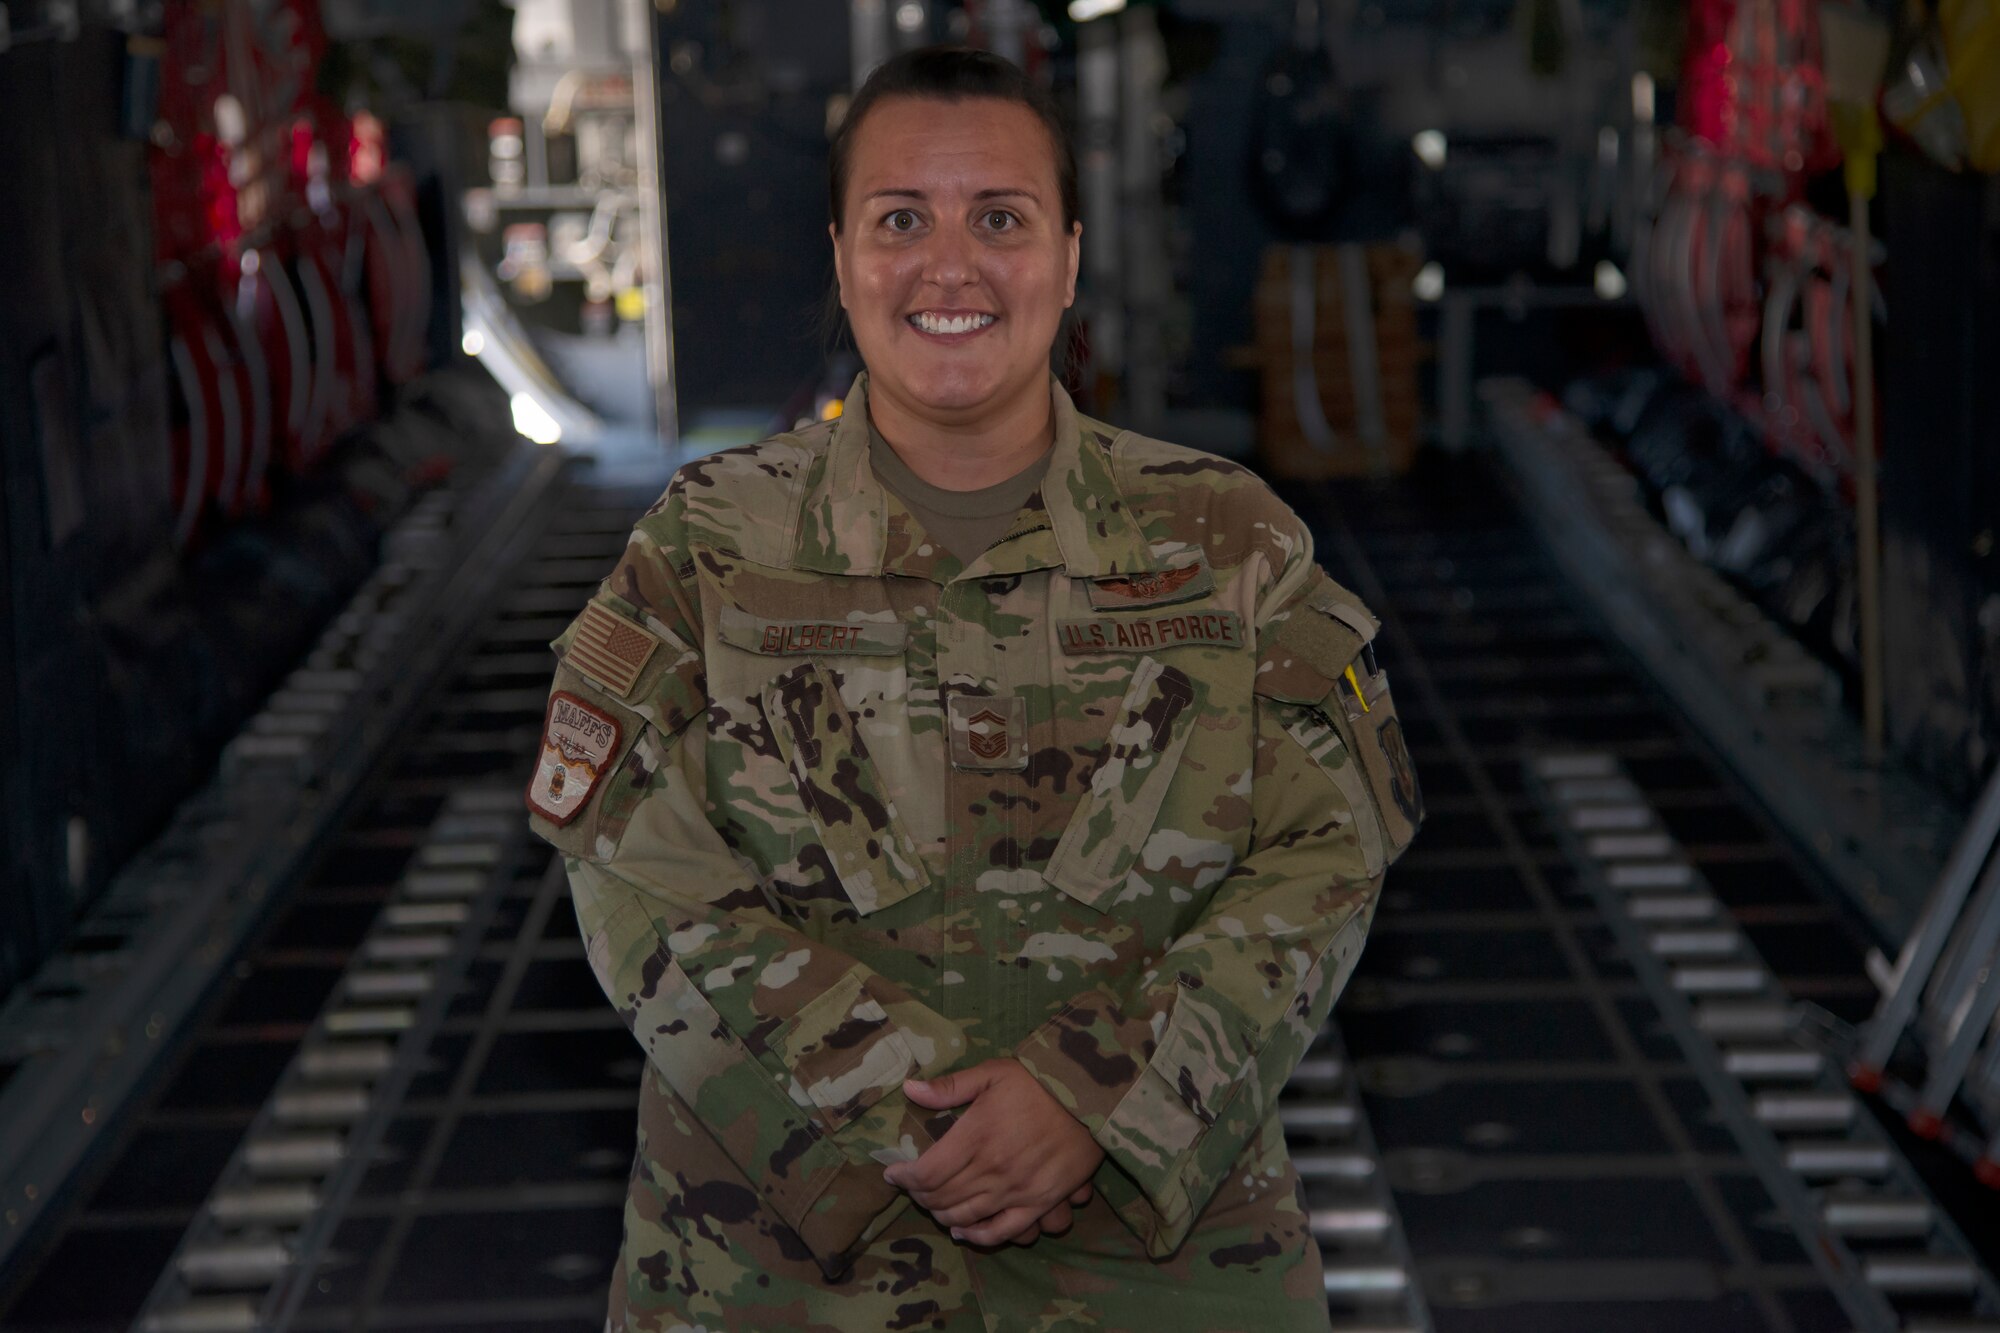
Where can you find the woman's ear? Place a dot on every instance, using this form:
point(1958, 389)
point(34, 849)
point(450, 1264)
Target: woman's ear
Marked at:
point(1075, 246)
point(839, 268)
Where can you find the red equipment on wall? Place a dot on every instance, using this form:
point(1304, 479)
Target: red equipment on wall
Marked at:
point(399, 279)
point(1744, 288)
point(293, 267)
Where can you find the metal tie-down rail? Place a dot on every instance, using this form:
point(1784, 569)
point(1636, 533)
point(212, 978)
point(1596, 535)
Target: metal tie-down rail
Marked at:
point(1887, 1251)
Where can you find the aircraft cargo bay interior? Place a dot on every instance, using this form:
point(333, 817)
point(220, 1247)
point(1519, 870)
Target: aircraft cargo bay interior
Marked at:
point(1096, 664)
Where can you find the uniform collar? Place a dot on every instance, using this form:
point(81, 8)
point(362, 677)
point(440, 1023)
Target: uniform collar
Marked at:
point(850, 524)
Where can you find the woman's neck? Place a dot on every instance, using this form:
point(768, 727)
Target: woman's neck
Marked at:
point(972, 455)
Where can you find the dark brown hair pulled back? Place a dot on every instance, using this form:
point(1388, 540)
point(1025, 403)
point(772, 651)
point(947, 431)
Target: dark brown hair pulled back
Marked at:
point(951, 74)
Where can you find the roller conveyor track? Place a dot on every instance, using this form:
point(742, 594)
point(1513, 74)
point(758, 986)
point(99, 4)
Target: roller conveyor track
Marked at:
point(1370, 1279)
point(414, 1109)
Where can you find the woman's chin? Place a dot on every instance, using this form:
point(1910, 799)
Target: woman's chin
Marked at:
point(952, 394)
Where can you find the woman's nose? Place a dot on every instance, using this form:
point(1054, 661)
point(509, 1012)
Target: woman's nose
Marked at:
point(950, 260)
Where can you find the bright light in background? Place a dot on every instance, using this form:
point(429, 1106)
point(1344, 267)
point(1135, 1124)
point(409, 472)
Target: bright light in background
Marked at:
point(1429, 282)
point(533, 420)
point(473, 343)
point(1608, 281)
point(1642, 98)
point(909, 17)
point(1083, 11)
point(230, 121)
point(1429, 146)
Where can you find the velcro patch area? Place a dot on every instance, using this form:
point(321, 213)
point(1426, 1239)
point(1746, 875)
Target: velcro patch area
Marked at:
point(1332, 599)
point(578, 742)
point(610, 649)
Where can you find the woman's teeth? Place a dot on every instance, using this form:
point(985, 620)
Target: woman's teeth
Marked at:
point(930, 323)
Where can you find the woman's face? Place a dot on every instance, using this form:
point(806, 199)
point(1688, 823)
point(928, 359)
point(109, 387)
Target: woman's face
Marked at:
point(953, 261)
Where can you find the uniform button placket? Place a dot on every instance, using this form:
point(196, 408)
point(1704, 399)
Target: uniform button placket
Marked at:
point(959, 1000)
point(970, 660)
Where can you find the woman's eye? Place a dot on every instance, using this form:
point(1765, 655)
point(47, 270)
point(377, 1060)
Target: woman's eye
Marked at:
point(902, 220)
point(999, 219)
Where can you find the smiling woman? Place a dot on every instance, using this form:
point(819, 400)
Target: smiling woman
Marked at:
point(955, 243)
point(972, 809)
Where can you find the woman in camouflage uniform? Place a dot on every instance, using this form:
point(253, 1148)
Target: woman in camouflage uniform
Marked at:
point(973, 809)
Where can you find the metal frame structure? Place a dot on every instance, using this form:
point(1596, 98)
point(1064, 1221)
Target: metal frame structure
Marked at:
point(643, 42)
point(1745, 684)
point(1945, 990)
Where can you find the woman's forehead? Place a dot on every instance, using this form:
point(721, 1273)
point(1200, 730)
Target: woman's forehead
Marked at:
point(971, 146)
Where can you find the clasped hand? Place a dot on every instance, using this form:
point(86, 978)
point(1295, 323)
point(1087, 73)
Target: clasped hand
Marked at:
point(1013, 1165)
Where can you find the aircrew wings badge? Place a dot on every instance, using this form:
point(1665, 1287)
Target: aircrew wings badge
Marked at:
point(1153, 587)
point(578, 743)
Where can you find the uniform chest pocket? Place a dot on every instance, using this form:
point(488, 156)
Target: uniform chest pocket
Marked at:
point(1109, 828)
point(871, 849)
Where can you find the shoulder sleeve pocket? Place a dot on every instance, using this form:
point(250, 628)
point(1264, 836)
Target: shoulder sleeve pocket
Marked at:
point(1319, 657)
point(608, 726)
point(1376, 735)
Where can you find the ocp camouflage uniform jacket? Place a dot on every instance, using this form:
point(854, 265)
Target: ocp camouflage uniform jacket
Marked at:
point(838, 811)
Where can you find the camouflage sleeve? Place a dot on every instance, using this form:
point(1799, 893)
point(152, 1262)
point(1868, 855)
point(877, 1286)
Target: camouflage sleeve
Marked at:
point(792, 1053)
point(1175, 1075)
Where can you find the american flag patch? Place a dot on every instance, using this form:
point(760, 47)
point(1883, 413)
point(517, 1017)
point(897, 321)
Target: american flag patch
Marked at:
point(610, 649)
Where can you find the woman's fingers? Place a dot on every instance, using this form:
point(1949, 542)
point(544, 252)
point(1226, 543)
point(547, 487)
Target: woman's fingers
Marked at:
point(955, 1194)
point(968, 1184)
point(976, 1209)
point(936, 1167)
point(1001, 1227)
point(982, 1221)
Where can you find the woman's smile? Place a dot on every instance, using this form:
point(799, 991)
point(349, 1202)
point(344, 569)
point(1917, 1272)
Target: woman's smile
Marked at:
point(951, 326)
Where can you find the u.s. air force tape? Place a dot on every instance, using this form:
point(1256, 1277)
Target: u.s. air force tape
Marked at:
point(1135, 634)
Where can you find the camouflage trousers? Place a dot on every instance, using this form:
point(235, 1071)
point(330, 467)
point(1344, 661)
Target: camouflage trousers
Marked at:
point(701, 1255)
